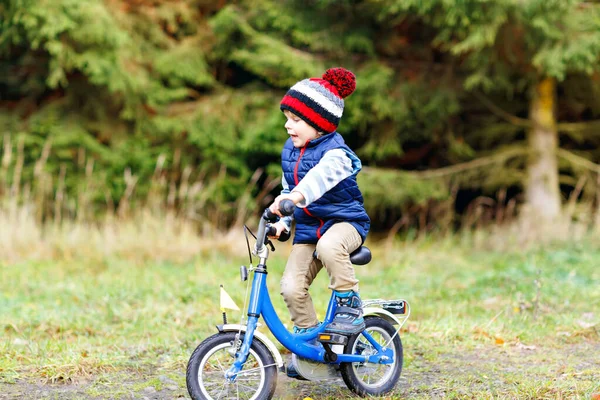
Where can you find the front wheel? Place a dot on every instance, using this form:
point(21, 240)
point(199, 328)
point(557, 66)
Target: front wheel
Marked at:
point(212, 358)
point(369, 379)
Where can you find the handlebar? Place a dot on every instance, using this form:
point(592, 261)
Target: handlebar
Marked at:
point(286, 208)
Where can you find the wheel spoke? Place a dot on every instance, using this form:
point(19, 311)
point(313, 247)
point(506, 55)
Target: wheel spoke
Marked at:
point(253, 370)
point(221, 368)
point(365, 375)
point(221, 391)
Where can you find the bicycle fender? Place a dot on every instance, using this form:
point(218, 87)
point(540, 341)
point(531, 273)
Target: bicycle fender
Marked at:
point(380, 312)
point(258, 335)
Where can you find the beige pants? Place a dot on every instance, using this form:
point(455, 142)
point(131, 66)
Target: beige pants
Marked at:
point(333, 250)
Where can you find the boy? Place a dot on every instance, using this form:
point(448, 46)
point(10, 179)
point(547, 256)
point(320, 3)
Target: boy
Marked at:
point(319, 176)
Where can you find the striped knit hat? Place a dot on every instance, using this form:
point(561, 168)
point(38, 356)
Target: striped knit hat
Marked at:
point(319, 101)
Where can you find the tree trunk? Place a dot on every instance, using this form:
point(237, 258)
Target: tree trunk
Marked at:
point(542, 192)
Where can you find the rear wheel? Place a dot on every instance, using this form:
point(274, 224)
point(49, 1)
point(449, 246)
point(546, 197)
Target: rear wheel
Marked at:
point(213, 357)
point(369, 379)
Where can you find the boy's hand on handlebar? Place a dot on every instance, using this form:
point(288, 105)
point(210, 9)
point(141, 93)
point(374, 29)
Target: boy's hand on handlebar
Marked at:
point(296, 197)
point(280, 228)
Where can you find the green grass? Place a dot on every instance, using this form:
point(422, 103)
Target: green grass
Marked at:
point(519, 324)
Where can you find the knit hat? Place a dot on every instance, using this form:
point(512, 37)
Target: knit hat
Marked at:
point(320, 101)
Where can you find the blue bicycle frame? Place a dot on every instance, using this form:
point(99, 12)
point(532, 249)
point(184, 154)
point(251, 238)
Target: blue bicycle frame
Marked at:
point(304, 345)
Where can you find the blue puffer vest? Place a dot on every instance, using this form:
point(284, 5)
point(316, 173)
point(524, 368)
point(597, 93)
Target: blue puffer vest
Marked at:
point(342, 203)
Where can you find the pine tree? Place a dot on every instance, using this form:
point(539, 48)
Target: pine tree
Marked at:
point(517, 45)
point(196, 85)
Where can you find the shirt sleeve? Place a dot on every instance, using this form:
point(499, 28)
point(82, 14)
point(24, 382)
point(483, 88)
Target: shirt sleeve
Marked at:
point(334, 167)
point(287, 221)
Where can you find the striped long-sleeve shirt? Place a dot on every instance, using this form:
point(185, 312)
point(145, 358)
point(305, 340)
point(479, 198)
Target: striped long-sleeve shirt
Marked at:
point(334, 167)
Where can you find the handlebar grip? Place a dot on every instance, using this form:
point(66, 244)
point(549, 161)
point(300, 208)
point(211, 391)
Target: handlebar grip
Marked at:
point(287, 207)
point(271, 231)
point(285, 235)
point(269, 216)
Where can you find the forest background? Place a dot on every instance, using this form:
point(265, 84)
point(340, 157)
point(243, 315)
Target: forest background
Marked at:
point(139, 136)
point(462, 108)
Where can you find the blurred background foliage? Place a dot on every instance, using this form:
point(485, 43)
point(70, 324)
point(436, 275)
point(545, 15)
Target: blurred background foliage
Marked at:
point(109, 106)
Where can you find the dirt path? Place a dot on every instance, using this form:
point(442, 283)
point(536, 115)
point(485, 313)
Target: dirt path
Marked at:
point(498, 372)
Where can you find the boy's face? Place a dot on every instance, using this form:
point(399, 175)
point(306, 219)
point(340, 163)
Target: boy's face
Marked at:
point(299, 131)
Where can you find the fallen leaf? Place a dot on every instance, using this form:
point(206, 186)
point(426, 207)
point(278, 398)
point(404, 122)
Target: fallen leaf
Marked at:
point(480, 332)
point(499, 341)
point(491, 301)
point(525, 347)
point(410, 328)
point(588, 315)
point(585, 324)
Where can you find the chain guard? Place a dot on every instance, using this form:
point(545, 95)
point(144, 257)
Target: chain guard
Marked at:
point(315, 371)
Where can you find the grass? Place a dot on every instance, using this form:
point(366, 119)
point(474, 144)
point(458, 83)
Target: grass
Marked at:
point(110, 302)
point(484, 324)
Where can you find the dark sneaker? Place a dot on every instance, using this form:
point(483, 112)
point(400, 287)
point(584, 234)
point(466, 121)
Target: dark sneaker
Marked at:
point(348, 319)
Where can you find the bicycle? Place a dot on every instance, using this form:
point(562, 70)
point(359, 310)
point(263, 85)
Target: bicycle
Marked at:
point(240, 362)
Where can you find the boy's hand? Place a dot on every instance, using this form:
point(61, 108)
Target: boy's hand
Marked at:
point(280, 227)
point(296, 197)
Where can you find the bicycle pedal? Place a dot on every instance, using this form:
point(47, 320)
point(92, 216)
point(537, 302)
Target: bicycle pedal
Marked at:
point(332, 338)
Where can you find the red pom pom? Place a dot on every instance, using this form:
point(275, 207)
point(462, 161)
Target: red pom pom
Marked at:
point(342, 79)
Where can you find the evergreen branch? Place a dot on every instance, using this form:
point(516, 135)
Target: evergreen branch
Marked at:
point(473, 164)
point(578, 160)
point(523, 122)
point(578, 126)
point(469, 165)
point(501, 113)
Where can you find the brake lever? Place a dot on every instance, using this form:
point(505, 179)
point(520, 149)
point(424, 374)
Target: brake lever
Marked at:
point(270, 230)
point(270, 244)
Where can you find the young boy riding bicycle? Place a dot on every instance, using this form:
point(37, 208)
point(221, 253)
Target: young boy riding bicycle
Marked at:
point(319, 176)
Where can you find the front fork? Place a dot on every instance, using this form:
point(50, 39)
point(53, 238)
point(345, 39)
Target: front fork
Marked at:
point(258, 285)
point(242, 354)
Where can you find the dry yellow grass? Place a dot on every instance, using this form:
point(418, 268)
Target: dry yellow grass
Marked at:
point(143, 237)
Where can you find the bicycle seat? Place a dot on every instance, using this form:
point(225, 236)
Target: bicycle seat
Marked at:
point(360, 256)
